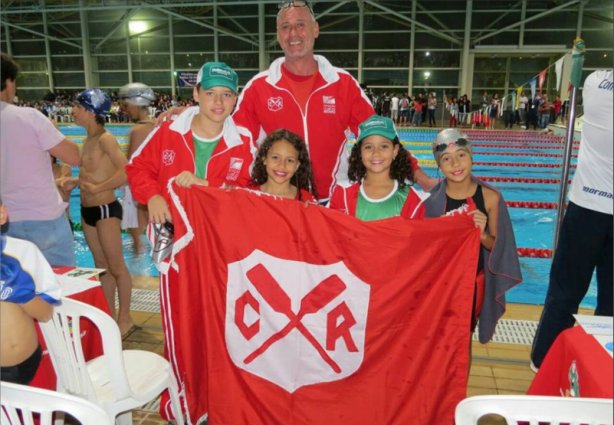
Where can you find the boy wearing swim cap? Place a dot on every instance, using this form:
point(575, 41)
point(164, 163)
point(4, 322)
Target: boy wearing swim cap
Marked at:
point(102, 171)
point(202, 146)
point(136, 99)
point(460, 192)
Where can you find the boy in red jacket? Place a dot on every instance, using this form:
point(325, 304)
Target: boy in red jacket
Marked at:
point(201, 147)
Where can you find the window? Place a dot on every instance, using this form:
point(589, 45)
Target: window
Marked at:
point(67, 63)
point(69, 79)
point(386, 77)
point(112, 80)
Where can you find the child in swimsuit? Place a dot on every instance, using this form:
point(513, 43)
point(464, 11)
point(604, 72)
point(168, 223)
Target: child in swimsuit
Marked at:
point(28, 290)
point(103, 171)
point(136, 100)
point(462, 193)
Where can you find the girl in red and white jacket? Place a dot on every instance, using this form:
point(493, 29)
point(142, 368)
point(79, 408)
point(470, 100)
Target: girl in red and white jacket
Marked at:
point(282, 167)
point(381, 168)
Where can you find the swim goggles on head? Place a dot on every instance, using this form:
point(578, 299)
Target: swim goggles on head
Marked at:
point(459, 142)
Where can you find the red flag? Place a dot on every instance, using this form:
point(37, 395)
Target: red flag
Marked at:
point(294, 314)
point(541, 79)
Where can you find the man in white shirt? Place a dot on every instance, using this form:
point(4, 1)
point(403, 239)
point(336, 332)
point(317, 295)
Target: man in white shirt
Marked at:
point(27, 186)
point(522, 110)
point(585, 241)
point(394, 108)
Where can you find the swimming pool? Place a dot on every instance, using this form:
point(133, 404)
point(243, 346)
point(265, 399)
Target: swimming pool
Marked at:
point(528, 160)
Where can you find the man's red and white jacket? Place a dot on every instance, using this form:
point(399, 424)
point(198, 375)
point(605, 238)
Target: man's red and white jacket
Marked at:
point(335, 106)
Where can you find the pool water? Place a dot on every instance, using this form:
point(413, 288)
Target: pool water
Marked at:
point(534, 228)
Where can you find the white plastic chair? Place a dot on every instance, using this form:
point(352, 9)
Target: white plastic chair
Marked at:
point(20, 403)
point(119, 380)
point(534, 409)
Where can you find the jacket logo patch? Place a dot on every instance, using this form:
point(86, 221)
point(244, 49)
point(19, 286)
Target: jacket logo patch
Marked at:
point(329, 104)
point(234, 169)
point(168, 157)
point(275, 103)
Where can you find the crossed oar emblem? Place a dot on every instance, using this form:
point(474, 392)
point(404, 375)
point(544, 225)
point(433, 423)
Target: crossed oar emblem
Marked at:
point(316, 299)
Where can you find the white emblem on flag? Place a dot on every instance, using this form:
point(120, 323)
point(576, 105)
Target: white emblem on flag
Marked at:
point(294, 323)
point(168, 157)
point(275, 103)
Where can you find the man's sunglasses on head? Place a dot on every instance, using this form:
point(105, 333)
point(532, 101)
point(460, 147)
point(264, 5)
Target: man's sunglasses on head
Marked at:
point(294, 3)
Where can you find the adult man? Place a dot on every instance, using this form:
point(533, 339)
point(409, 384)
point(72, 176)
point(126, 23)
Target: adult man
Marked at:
point(136, 99)
point(27, 186)
point(522, 111)
point(394, 108)
point(305, 94)
point(585, 241)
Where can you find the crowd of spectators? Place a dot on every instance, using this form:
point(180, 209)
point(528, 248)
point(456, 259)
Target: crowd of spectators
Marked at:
point(416, 110)
point(58, 106)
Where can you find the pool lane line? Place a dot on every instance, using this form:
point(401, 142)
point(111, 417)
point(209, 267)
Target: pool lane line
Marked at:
point(490, 145)
point(521, 180)
point(532, 154)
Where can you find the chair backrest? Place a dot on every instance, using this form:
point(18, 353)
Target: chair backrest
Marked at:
point(20, 402)
point(534, 410)
point(63, 338)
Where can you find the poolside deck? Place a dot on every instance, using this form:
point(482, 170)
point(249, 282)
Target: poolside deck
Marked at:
point(497, 367)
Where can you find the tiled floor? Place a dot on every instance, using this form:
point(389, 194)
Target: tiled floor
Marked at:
point(497, 368)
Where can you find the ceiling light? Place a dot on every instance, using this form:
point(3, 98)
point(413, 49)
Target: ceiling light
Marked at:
point(137, 27)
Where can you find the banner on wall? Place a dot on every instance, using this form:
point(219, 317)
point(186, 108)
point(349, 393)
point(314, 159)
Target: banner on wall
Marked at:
point(294, 313)
point(186, 78)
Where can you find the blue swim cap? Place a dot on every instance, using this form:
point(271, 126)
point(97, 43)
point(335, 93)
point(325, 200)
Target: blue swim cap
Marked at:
point(95, 101)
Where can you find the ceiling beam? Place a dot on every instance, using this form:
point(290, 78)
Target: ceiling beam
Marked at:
point(119, 25)
point(48, 37)
point(529, 19)
point(129, 6)
point(499, 18)
point(433, 17)
point(432, 30)
point(202, 24)
point(234, 21)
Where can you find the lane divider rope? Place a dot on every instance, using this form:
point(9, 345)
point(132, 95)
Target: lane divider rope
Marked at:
point(534, 252)
point(531, 154)
point(519, 164)
point(521, 180)
point(494, 145)
point(532, 204)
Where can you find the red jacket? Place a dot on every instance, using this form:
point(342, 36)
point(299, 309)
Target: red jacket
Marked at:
point(169, 150)
point(345, 199)
point(334, 107)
